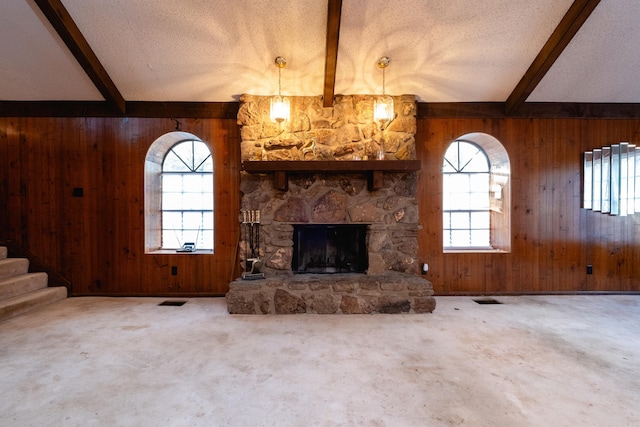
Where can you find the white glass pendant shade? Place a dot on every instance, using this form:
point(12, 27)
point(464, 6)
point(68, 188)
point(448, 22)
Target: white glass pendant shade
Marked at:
point(383, 109)
point(280, 109)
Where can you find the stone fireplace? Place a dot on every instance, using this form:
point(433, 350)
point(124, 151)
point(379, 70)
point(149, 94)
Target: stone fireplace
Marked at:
point(337, 230)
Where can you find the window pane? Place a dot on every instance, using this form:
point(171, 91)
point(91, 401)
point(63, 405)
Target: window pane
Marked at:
point(480, 220)
point(207, 219)
point(207, 201)
point(193, 182)
point(480, 238)
point(184, 151)
point(206, 239)
point(451, 162)
point(446, 237)
point(464, 156)
point(172, 163)
point(170, 239)
point(459, 220)
point(460, 238)
point(172, 182)
point(459, 182)
point(172, 220)
point(191, 201)
point(477, 164)
point(479, 200)
point(588, 180)
point(447, 167)
point(479, 183)
point(458, 202)
point(171, 201)
point(468, 152)
point(202, 158)
point(207, 183)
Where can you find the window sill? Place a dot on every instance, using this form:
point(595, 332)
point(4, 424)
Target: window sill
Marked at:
point(174, 252)
point(475, 251)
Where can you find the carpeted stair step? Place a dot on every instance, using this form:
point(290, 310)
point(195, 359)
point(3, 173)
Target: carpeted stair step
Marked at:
point(22, 284)
point(10, 267)
point(30, 301)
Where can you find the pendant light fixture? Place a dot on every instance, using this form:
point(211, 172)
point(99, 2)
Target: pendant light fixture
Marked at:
point(383, 105)
point(280, 106)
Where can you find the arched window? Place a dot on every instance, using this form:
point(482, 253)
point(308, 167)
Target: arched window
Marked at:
point(178, 194)
point(475, 203)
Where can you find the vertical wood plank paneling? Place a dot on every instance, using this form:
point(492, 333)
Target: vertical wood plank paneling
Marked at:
point(97, 241)
point(553, 239)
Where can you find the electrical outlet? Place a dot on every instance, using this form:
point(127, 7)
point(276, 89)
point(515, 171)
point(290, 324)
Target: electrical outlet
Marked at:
point(589, 269)
point(174, 270)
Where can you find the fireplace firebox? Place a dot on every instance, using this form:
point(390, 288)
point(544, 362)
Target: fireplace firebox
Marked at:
point(329, 248)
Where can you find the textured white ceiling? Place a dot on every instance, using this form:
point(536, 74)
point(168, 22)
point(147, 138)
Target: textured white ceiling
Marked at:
point(34, 63)
point(602, 61)
point(215, 50)
point(443, 50)
point(194, 50)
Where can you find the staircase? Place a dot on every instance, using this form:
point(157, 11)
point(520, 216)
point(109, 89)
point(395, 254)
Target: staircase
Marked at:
point(21, 291)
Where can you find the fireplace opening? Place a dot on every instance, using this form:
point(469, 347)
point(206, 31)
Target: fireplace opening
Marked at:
point(329, 248)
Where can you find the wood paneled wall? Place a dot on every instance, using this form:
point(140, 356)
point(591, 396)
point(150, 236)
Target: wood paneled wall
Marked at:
point(97, 241)
point(553, 239)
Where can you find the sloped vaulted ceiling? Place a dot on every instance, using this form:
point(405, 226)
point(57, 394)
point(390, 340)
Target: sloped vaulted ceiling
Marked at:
point(196, 57)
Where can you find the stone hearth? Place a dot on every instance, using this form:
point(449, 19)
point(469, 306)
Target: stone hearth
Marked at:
point(332, 294)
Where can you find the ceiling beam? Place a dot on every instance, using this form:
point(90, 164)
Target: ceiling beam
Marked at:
point(568, 27)
point(530, 110)
point(69, 32)
point(331, 60)
point(209, 110)
point(229, 110)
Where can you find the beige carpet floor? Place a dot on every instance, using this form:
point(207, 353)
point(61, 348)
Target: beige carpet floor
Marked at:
point(531, 361)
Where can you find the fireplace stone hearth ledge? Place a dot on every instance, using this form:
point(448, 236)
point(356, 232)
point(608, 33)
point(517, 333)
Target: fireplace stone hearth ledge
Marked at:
point(349, 293)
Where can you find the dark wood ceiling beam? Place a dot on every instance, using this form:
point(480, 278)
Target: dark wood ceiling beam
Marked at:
point(69, 32)
point(229, 110)
point(331, 60)
point(568, 27)
point(530, 110)
point(209, 110)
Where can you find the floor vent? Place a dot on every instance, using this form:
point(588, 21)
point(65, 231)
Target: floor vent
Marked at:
point(173, 303)
point(487, 301)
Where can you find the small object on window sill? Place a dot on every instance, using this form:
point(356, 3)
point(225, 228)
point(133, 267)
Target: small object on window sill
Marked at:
point(187, 247)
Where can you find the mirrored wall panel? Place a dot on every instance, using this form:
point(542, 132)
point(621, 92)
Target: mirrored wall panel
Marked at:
point(611, 179)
